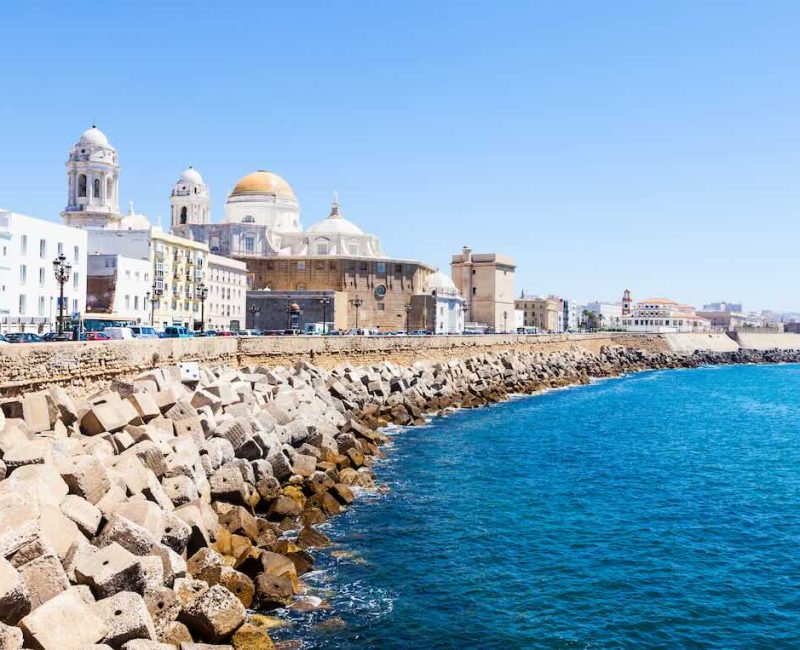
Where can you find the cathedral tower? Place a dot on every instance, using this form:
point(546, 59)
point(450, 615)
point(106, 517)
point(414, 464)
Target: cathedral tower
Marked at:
point(189, 200)
point(92, 182)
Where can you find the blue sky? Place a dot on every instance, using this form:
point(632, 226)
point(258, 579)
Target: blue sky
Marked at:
point(604, 145)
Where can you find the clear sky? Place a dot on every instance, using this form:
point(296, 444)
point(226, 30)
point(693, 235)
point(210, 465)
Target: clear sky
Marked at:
point(604, 145)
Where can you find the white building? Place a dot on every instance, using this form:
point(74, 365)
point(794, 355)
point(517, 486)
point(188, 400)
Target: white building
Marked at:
point(5, 266)
point(227, 294)
point(31, 290)
point(117, 288)
point(610, 314)
point(441, 309)
point(659, 315)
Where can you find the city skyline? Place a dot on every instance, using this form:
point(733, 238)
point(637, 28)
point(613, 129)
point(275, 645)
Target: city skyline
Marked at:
point(667, 167)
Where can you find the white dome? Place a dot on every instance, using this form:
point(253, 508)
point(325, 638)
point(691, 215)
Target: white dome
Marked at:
point(191, 175)
point(95, 136)
point(335, 224)
point(134, 222)
point(438, 281)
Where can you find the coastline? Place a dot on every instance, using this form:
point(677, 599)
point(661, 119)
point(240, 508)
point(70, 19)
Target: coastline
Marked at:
point(194, 488)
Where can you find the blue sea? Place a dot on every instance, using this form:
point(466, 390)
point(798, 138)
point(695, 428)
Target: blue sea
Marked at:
point(657, 510)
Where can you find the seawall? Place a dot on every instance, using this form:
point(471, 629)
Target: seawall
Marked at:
point(87, 366)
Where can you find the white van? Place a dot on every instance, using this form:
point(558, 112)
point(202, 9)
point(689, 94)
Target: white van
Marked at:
point(118, 333)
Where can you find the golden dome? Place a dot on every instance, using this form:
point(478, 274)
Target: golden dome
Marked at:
point(263, 182)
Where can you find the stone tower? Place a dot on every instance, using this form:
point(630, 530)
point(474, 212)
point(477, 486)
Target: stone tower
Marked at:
point(189, 200)
point(627, 303)
point(92, 182)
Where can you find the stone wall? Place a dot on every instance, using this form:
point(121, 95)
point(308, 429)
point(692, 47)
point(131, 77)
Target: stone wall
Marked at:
point(85, 366)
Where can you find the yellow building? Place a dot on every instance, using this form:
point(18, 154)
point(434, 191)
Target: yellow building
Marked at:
point(179, 268)
point(541, 313)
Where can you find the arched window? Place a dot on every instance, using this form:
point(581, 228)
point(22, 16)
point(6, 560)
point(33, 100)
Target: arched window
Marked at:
point(82, 185)
point(321, 246)
point(183, 214)
point(248, 218)
point(96, 188)
point(249, 244)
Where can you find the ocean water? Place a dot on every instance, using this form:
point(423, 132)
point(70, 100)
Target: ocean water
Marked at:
point(658, 510)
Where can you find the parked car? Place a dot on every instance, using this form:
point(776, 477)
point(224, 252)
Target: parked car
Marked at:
point(23, 337)
point(144, 332)
point(3, 340)
point(291, 332)
point(248, 333)
point(205, 333)
point(176, 332)
point(95, 336)
point(55, 336)
point(226, 333)
point(118, 333)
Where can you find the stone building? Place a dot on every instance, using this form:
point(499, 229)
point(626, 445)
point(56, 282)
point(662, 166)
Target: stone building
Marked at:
point(544, 314)
point(486, 280)
point(226, 280)
point(282, 310)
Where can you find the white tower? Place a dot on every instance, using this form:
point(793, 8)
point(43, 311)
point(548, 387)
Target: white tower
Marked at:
point(92, 182)
point(189, 199)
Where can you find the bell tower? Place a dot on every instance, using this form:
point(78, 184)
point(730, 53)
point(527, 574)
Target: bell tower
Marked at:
point(92, 182)
point(627, 303)
point(189, 200)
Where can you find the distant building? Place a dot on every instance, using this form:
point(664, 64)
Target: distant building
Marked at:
point(227, 293)
point(439, 310)
point(486, 280)
point(664, 315)
point(30, 292)
point(609, 314)
point(545, 314)
point(724, 306)
point(725, 320)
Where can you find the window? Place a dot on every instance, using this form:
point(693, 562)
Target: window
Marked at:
point(96, 188)
point(41, 305)
point(301, 265)
point(183, 214)
point(75, 280)
point(23, 273)
point(474, 290)
point(82, 185)
point(77, 253)
point(353, 249)
point(248, 218)
point(127, 302)
point(398, 268)
point(381, 267)
point(249, 244)
point(23, 244)
point(60, 247)
point(74, 304)
point(22, 305)
point(322, 249)
point(41, 276)
point(136, 302)
point(42, 248)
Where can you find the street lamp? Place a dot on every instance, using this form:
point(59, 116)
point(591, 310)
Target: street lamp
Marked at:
point(62, 268)
point(253, 311)
point(324, 302)
point(202, 294)
point(357, 302)
point(408, 318)
point(505, 322)
point(153, 297)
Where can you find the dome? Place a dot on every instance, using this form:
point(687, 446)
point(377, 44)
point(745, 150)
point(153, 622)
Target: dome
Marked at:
point(335, 224)
point(438, 281)
point(263, 182)
point(95, 136)
point(191, 175)
point(134, 222)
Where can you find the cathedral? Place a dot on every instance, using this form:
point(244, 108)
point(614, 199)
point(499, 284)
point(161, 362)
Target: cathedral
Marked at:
point(262, 229)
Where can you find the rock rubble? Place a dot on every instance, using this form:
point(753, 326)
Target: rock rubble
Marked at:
point(162, 511)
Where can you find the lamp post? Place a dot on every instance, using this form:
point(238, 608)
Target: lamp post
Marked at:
point(324, 302)
point(357, 302)
point(408, 318)
point(253, 311)
point(62, 268)
point(505, 322)
point(153, 296)
point(202, 294)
